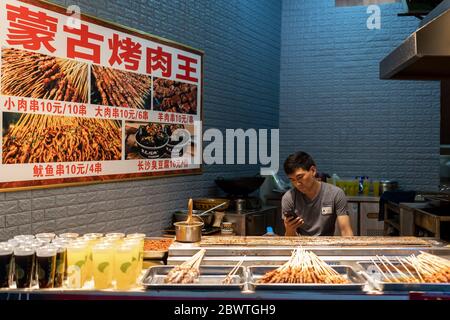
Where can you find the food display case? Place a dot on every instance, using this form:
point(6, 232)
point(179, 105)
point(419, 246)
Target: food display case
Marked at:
point(349, 257)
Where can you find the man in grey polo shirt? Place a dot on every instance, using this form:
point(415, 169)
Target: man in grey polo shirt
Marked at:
point(312, 207)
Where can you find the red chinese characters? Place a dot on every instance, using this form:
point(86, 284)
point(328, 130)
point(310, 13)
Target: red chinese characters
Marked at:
point(125, 50)
point(87, 41)
point(157, 59)
point(186, 65)
point(30, 29)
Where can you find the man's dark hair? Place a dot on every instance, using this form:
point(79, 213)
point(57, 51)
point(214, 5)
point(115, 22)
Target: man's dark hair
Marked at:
point(298, 160)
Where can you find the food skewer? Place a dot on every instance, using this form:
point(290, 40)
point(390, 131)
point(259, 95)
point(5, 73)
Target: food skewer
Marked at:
point(303, 267)
point(188, 271)
point(407, 269)
point(379, 269)
point(417, 271)
point(390, 272)
point(403, 276)
point(229, 278)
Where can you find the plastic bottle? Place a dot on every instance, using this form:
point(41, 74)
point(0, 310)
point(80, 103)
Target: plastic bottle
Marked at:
point(366, 187)
point(269, 232)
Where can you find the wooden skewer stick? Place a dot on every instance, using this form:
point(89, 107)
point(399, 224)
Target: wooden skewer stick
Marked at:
point(390, 272)
point(397, 269)
point(228, 279)
point(407, 269)
point(417, 271)
point(379, 269)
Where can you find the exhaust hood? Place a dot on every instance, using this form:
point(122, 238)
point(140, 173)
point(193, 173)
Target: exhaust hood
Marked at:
point(424, 55)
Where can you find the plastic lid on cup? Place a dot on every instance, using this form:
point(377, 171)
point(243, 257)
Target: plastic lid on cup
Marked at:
point(46, 251)
point(50, 235)
point(93, 235)
point(6, 249)
point(23, 237)
point(24, 251)
point(13, 242)
point(69, 235)
point(115, 235)
point(136, 236)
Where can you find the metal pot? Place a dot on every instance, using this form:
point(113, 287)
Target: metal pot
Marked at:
point(388, 185)
point(191, 232)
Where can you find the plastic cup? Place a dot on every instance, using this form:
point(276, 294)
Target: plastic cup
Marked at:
point(140, 236)
point(124, 274)
point(6, 265)
point(24, 237)
point(60, 265)
point(24, 260)
point(103, 263)
point(376, 188)
point(137, 245)
point(76, 264)
point(46, 266)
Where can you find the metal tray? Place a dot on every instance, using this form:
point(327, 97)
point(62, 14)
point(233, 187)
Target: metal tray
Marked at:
point(210, 279)
point(376, 281)
point(357, 281)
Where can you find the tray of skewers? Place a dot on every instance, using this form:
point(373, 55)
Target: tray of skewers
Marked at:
point(305, 271)
point(423, 272)
point(190, 275)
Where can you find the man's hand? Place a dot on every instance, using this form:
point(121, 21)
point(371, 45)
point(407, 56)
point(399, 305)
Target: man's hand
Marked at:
point(291, 225)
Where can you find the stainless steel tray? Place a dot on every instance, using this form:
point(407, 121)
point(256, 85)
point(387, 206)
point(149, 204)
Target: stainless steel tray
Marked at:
point(156, 255)
point(375, 279)
point(210, 279)
point(357, 281)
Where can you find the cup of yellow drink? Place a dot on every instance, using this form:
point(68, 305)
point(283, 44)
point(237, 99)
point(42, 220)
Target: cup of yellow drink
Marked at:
point(140, 236)
point(124, 269)
point(135, 260)
point(76, 264)
point(103, 263)
point(376, 188)
point(90, 242)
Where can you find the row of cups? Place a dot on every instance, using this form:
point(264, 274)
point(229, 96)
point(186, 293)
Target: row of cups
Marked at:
point(112, 261)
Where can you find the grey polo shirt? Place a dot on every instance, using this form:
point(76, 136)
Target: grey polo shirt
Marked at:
point(320, 213)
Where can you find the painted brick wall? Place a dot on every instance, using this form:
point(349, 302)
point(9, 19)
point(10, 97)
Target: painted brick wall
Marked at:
point(241, 40)
point(333, 105)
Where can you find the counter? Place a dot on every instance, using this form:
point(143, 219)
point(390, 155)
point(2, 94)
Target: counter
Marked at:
point(339, 252)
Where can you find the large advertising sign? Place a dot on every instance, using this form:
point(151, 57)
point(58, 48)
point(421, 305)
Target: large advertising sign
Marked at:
point(83, 100)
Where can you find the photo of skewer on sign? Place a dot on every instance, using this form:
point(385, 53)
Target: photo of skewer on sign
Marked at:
point(36, 138)
point(35, 75)
point(117, 88)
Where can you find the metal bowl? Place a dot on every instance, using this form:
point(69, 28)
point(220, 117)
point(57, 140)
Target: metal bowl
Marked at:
point(182, 215)
point(208, 203)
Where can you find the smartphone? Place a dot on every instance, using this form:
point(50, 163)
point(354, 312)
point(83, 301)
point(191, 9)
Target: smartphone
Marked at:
point(290, 214)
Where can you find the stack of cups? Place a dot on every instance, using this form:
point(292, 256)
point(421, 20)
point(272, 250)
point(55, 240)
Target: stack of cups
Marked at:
point(77, 256)
point(46, 266)
point(6, 264)
point(24, 266)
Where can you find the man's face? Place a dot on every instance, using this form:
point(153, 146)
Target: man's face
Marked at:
point(303, 180)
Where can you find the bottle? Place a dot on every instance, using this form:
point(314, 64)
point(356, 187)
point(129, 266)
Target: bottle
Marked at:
point(366, 187)
point(269, 232)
